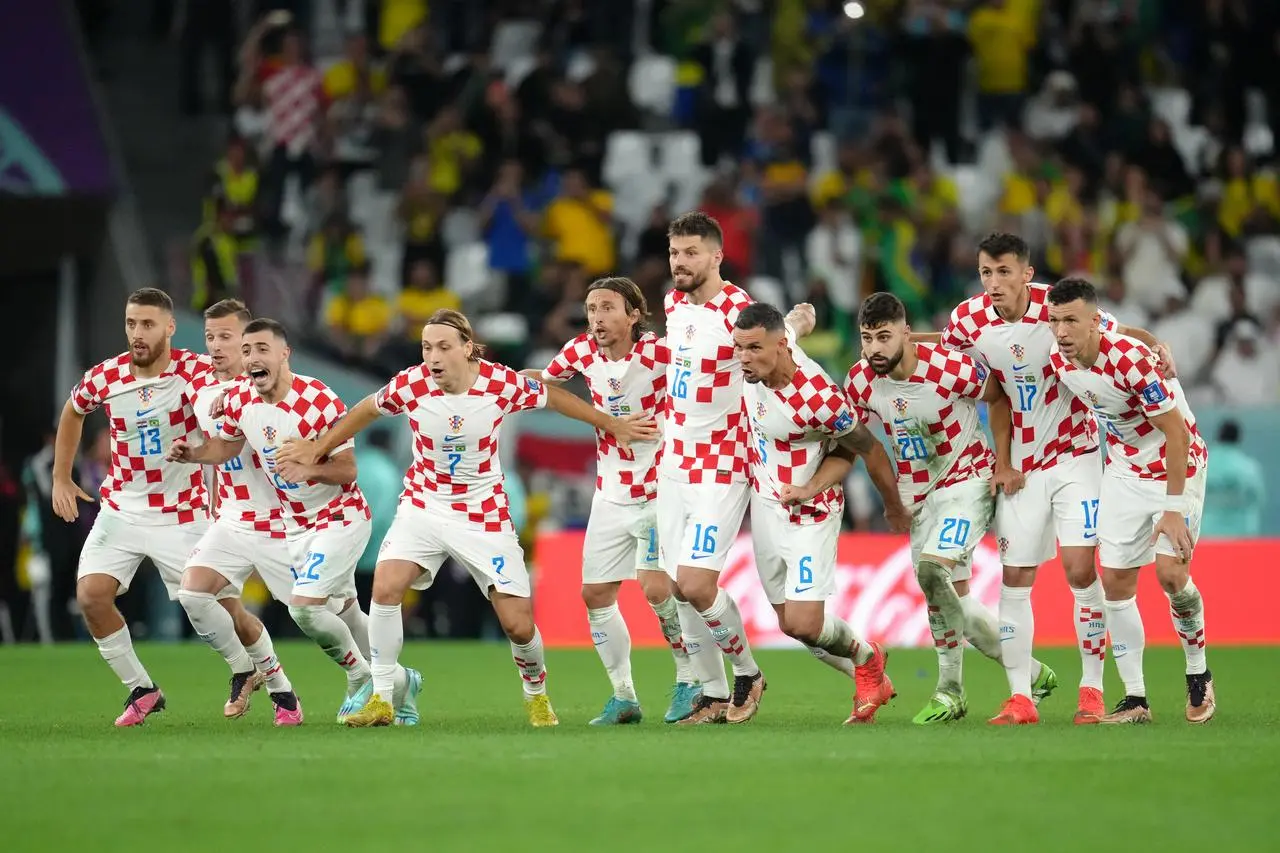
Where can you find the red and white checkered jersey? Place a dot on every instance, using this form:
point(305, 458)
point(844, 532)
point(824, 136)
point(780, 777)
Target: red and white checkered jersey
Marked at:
point(294, 95)
point(705, 438)
point(309, 409)
point(1125, 389)
point(931, 419)
point(455, 444)
point(145, 416)
point(1047, 422)
point(246, 496)
point(792, 427)
point(636, 384)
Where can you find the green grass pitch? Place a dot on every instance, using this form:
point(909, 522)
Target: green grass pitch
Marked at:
point(474, 776)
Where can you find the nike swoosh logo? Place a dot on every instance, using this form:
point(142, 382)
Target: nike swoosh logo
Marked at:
point(1018, 367)
point(452, 437)
point(503, 583)
point(683, 349)
point(616, 398)
point(902, 420)
point(142, 413)
point(1091, 536)
point(802, 588)
point(1094, 634)
point(697, 556)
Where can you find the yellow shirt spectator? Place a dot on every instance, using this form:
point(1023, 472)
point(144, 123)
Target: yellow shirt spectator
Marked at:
point(332, 260)
point(581, 235)
point(417, 305)
point(398, 17)
point(1001, 39)
point(938, 199)
point(1241, 195)
point(340, 80)
point(365, 317)
point(1019, 195)
point(449, 155)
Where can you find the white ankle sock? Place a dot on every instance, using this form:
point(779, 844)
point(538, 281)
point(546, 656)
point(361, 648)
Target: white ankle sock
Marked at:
point(531, 660)
point(1090, 620)
point(386, 639)
point(1017, 627)
point(358, 623)
point(1128, 639)
point(612, 640)
point(724, 621)
point(263, 655)
point(705, 658)
point(117, 650)
point(669, 621)
point(839, 664)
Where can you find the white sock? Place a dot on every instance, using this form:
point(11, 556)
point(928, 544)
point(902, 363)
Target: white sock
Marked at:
point(117, 650)
point(386, 639)
point(1187, 609)
point(1128, 639)
point(725, 623)
point(532, 662)
point(948, 644)
point(216, 627)
point(704, 658)
point(981, 628)
point(669, 621)
point(263, 655)
point(357, 622)
point(839, 664)
point(613, 643)
point(334, 638)
point(1091, 632)
point(837, 638)
point(1017, 627)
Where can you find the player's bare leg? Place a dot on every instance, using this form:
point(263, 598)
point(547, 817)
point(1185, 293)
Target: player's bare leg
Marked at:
point(661, 593)
point(515, 614)
point(317, 619)
point(612, 640)
point(391, 580)
point(701, 588)
point(1090, 622)
point(831, 639)
point(96, 595)
point(1187, 610)
point(1128, 640)
point(947, 625)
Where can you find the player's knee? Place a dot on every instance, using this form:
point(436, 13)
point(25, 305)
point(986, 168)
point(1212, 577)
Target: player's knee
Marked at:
point(518, 627)
point(1172, 573)
point(804, 628)
point(305, 615)
point(96, 594)
point(1120, 584)
point(657, 586)
point(1079, 568)
point(933, 577)
point(598, 595)
point(1018, 576)
point(195, 603)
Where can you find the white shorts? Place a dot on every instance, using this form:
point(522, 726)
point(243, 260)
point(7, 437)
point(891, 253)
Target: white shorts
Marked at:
point(235, 552)
point(324, 561)
point(116, 546)
point(796, 562)
point(951, 523)
point(621, 539)
point(494, 559)
point(1058, 503)
point(698, 522)
point(1128, 513)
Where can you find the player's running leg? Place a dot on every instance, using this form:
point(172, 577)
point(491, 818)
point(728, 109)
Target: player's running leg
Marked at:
point(257, 642)
point(215, 625)
point(611, 552)
point(1187, 611)
point(947, 625)
point(348, 610)
point(515, 614)
point(1128, 641)
point(659, 591)
point(982, 630)
point(391, 580)
point(96, 594)
point(612, 641)
point(1090, 623)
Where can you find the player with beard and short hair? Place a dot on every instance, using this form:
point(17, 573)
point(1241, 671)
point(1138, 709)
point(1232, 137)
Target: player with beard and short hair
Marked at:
point(321, 498)
point(702, 478)
point(625, 369)
point(151, 508)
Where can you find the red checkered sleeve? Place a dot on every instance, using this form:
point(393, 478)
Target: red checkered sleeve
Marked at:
point(233, 411)
point(571, 360)
point(91, 390)
point(513, 392)
point(735, 300)
point(962, 328)
point(857, 390)
point(956, 374)
point(825, 407)
point(1134, 367)
point(318, 409)
point(399, 394)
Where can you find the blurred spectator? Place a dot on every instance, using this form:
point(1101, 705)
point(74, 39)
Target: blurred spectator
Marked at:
point(59, 541)
point(358, 321)
point(1235, 491)
point(936, 48)
point(1151, 251)
point(450, 153)
point(421, 297)
point(738, 221)
point(1247, 370)
point(509, 221)
point(332, 254)
point(727, 66)
point(380, 477)
point(214, 266)
point(834, 259)
point(1236, 290)
point(578, 222)
point(234, 183)
point(415, 68)
point(1001, 35)
point(207, 25)
point(1194, 338)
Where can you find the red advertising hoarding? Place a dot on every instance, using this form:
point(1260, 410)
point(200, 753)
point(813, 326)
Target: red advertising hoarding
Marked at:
point(878, 594)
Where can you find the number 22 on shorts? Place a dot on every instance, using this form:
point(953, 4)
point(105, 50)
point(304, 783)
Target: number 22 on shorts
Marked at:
point(310, 564)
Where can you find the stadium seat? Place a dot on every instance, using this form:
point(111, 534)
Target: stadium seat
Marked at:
point(975, 194)
point(580, 67)
point(467, 272)
point(627, 153)
point(1257, 140)
point(502, 329)
point(513, 40)
point(762, 93)
point(822, 151)
point(517, 69)
point(652, 83)
point(680, 154)
point(1173, 105)
point(362, 189)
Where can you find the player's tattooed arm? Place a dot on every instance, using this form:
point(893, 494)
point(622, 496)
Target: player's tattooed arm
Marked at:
point(883, 477)
point(1163, 353)
point(215, 451)
point(309, 452)
point(67, 494)
point(637, 427)
point(1177, 445)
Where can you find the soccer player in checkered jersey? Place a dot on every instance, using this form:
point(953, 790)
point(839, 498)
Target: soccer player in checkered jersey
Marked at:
point(248, 532)
point(321, 497)
point(150, 508)
point(797, 413)
point(453, 505)
point(1048, 472)
point(926, 397)
point(1152, 495)
point(702, 477)
point(625, 369)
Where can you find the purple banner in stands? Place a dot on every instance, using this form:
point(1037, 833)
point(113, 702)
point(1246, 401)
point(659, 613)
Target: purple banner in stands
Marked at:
point(50, 140)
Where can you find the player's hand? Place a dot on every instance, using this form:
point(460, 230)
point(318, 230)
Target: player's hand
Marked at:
point(292, 472)
point(803, 318)
point(67, 495)
point(1007, 480)
point(218, 405)
point(1165, 364)
point(898, 517)
point(795, 495)
point(1174, 526)
point(297, 451)
point(630, 428)
point(180, 451)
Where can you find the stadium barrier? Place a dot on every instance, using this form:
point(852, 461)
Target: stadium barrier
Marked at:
point(877, 593)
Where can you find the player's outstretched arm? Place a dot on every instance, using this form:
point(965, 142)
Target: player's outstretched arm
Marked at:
point(215, 451)
point(637, 427)
point(309, 452)
point(882, 474)
point(336, 470)
point(1177, 444)
point(1162, 351)
point(67, 494)
point(1000, 414)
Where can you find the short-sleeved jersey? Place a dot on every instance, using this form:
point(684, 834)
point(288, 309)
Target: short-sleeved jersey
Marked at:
point(791, 429)
point(636, 384)
point(246, 496)
point(308, 410)
point(931, 419)
point(1047, 423)
point(455, 445)
point(145, 416)
point(705, 439)
point(1125, 389)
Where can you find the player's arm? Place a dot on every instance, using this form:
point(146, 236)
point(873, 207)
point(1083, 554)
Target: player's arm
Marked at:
point(883, 476)
point(66, 492)
point(802, 319)
point(637, 427)
point(1000, 415)
point(1177, 445)
point(309, 452)
point(215, 451)
point(336, 470)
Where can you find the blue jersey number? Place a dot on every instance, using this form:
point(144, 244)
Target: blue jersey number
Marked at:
point(704, 539)
point(310, 564)
point(955, 532)
point(454, 459)
point(233, 464)
point(680, 388)
point(912, 447)
point(806, 570)
point(149, 441)
point(1027, 396)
